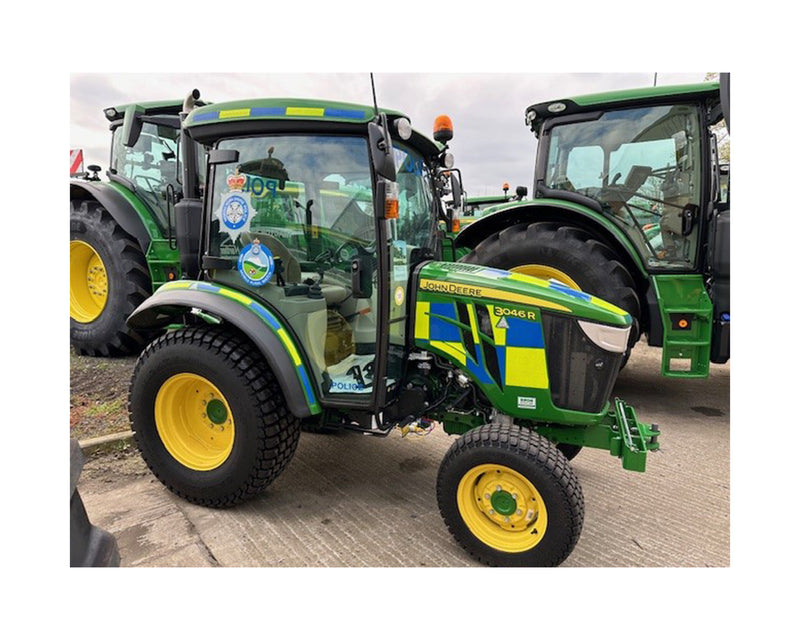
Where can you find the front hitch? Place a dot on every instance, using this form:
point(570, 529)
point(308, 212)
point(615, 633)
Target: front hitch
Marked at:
point(619, 432)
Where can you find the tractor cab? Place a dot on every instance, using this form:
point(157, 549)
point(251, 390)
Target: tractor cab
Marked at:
point(299, 216)
point(646, 163)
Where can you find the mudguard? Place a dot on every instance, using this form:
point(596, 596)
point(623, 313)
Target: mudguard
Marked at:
point(258, 323)
point(505, 215)
point(120, 208)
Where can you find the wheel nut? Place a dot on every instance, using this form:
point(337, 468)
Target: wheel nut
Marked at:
point(519, 512)
point(487, 496)
point(505, 519)
point(491, 512)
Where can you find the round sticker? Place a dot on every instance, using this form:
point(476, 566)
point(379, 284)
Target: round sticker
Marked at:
point(399, 296)
point(234, 212)
point(256, 264)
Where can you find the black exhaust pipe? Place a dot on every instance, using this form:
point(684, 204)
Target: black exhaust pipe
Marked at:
point(189, 211)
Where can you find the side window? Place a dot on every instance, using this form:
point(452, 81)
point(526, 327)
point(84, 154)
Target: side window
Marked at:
point(150, 165)
point(585, 167)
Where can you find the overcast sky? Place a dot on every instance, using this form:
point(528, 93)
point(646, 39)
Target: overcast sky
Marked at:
point(491, 143)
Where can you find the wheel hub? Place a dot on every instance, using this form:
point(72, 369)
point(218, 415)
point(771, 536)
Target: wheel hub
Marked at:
point(194, 421)
point(546, 272)
point(502, 508)
point(88, 282)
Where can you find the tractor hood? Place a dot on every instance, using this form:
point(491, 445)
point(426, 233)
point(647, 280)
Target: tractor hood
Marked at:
point(489, 285)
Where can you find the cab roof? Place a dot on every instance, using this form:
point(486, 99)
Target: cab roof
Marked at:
point(284, 109)
point(159, 107)
point(615, 99)
point(244, 117)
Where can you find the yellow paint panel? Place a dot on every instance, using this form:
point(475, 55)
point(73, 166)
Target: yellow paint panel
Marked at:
point(233, 295)
point(526, 367)
point(453, 349)
point(608, 306)
point(473, 320)
point(422, 321)
point(287, 342)
point(305, 111)
point(234, 113)
point(174, 285)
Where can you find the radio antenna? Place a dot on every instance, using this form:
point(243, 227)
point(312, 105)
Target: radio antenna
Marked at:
point(374, 97)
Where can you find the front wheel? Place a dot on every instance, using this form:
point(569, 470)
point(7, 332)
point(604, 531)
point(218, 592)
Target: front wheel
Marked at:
point(209, 417)
point(510, 498)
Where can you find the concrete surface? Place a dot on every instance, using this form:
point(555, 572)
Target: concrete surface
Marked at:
point(356, 501)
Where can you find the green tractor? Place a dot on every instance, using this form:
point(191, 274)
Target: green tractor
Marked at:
point(320, 300)
point(122, 236)
point(629, 205)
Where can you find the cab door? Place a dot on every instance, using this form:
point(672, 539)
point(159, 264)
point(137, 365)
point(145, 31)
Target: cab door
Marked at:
point(410, 237)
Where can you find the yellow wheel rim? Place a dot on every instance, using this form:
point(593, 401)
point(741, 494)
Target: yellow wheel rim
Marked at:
point(544, 272)
point(88, 283)
point(502, 508)
point(194, 421)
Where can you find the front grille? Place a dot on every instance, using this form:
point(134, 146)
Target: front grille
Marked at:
point(581, 373)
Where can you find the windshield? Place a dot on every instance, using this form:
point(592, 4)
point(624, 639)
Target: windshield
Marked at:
point(311, 195)
point(643, 167)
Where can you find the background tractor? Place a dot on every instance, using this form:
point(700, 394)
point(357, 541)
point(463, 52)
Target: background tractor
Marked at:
point(628, 204)
point(318, 296)
point(122, 236)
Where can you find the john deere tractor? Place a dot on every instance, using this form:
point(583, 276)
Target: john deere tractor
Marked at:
point(627, 206)
point(320, 299)
point(122, 239)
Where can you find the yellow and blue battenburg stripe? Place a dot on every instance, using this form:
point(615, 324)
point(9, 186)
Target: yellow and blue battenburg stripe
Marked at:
point(513, 355)
point(281, 112)
point(270, 320)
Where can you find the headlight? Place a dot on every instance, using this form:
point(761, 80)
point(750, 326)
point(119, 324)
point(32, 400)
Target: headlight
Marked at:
point(614, 339)
point(403, 127)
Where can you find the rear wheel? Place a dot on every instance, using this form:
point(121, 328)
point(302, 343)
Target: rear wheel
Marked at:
point(510, 497)
point(551, 250)
point(109, 278)
point(209, 417)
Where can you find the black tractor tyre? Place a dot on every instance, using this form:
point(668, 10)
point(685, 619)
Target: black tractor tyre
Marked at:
point(127, 278)
point(264, 433)
point(487, 450)
point(591, 264)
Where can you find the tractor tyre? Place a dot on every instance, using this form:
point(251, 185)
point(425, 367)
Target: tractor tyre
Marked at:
point(570, 255)
point(209, 416)
point(109, 278)
point(510, 498)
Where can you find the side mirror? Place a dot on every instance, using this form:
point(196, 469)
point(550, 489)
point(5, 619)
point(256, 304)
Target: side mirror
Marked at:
point(223, 156)
point(132, 125)
point(455, 185)
point(380, 149)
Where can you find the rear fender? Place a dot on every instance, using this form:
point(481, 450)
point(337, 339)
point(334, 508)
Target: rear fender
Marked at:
point(121, 208)
point(258, 323)
point(561, 211)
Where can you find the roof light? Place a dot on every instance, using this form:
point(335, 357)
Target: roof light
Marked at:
point(442, 129)
point(556, 107)
point(110, 112)
point(403, 126)
point(448, 160)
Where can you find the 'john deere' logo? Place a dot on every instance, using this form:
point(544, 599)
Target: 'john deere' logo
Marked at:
point(256, 265)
